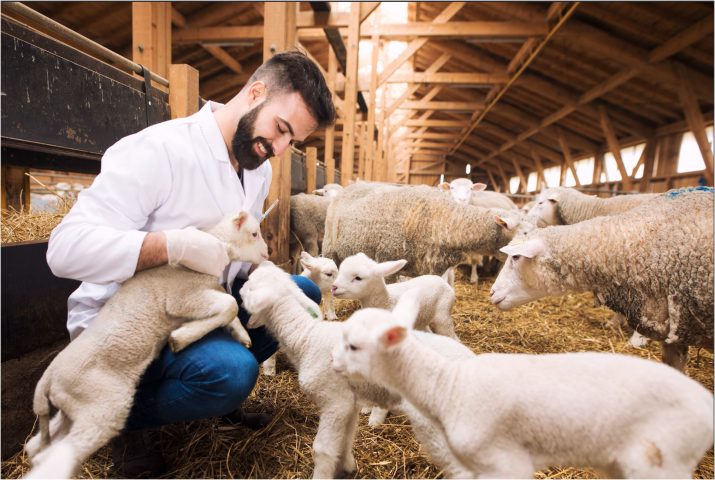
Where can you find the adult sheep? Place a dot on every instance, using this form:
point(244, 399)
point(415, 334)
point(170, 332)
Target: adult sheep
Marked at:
point(418, 224)
point(653, 264)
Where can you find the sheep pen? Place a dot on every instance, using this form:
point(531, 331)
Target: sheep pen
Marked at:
point(210, 449)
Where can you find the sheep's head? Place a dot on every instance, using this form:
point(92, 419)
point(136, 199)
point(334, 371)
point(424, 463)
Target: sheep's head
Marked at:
point(330, 190)
point(359, 273)
point(366, 334)
point(523, 278)
point(323, 271)
point(544, 212)
point(243, 238)
point(461, 189)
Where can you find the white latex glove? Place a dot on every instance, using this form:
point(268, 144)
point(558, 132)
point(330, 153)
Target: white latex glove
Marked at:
point(196, 250)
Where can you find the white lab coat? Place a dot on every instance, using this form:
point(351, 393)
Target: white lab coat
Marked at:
point(171, 175)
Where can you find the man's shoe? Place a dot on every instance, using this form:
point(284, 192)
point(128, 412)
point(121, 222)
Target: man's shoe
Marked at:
point(254, 421)
point(134, 456)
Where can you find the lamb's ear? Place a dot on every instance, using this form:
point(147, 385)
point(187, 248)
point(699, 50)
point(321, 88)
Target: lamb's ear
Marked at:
point(528, 249)
point(392, 336)
point(478, 187)
point(443, 186)
point(240, 219)
point(258, 299)
point(407, 308)
point(307, 260)
point(552, 196)
point(319, 191)
point(388, 268)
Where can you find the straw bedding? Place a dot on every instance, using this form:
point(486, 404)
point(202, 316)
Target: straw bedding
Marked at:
point(210, 449)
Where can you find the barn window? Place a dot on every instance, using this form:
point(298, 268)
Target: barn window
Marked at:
point(552, 176)
point(513, 184)
point(531, 182)
point(629, 155)
point(690, 159)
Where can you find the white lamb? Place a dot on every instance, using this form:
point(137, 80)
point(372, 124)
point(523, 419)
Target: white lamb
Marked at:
point(295, 321)
point(322, 271)
point(92, 381)
point(361, 278)
point(508, 415)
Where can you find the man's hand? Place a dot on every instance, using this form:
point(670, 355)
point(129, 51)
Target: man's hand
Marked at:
point(196, 250)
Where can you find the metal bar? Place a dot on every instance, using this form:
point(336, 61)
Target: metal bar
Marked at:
point(65, 33)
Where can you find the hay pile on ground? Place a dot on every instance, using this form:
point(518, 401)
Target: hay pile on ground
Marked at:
point(209, 449)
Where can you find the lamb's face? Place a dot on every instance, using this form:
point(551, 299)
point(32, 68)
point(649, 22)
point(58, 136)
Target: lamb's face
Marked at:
point(522, 278)
point(354, 275)
point(323, 271)
point(359, 273)
point(363, 341)
point(246, 243)
point(543, 213)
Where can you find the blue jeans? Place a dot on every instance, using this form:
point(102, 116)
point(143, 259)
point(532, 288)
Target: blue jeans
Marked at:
point(210, 377)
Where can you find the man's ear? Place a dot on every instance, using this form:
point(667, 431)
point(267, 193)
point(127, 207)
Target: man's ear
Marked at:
point(392, 336)
point(240, 219)
point(256, 91)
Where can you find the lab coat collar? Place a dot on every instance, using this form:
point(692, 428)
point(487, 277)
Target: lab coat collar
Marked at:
point(212, 132)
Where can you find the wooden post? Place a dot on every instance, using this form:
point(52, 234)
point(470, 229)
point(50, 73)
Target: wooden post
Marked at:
point(280, 17)
point(351, 77)
point(380, 165)
point(648, 162)
point(330, 131)
point(183, 90)
point(614, 147)
point(567, 155)
point(15, 188)
point(360, 138)
point(597, 167)
point(695, 119)
point(371, 155)
point(151, 36)
point(311, 168)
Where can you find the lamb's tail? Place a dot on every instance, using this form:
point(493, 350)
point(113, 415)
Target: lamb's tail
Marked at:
point(41, 407)
point(448, 276)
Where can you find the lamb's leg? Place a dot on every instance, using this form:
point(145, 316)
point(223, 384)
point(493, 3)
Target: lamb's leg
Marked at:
point(432, 437)
point(239, 333)
point(329, 307)
point(348, 463)
point(474, 277)
point(87, 435)
point(59, 426)
point(330, 441)
point(208, 310)
point(675, 355)
point(377, 416)
point(443, 325)
point(268, 367)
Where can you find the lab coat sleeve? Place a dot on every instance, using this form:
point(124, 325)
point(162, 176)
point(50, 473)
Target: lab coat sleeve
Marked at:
point(99, 240)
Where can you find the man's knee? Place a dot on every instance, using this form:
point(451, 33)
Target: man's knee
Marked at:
point(226, 375)
point(308, 287)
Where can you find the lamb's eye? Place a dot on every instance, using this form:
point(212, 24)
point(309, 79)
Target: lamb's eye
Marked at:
point(255, 234)
point(352, 347)
point(516, 257)
point(358, 278)
point(328, 274)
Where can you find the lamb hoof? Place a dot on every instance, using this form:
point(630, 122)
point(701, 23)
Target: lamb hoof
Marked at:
point(377, 417)
point(239, 333)
point(176, 344)
point(637, 340)
point(349, 464)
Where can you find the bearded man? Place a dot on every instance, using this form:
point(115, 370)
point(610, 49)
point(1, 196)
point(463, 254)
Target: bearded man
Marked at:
point(155, 190)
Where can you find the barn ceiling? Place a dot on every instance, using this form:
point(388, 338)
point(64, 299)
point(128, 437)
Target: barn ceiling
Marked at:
point(504, 86)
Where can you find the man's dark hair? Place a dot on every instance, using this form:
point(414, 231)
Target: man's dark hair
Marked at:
point(293, 71)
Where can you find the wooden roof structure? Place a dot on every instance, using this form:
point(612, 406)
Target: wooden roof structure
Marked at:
point(507, 87)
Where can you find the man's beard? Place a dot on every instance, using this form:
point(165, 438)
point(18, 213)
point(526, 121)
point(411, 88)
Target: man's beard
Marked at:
point(243, 144)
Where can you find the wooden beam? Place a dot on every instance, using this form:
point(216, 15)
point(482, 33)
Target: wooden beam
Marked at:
point(380, 157)
point(311, 168)
point(330, 131)
point(445, 16)
point(539, 168)
point(690, 35)
point(509, 31)
point(183, 90)
point(649, 155)
point(370, 134)
point(520, 174)
point(493, 181)
point(567, 156)
point(366, 8)
point(312, 19)
point(614, 147)
point(437, 123)
point(218, 35)
point(276, 227)
point(151, 36)
point(695, 119)
point(348, 145)
point(411, 89)
point(457, 78)
point(454, 106)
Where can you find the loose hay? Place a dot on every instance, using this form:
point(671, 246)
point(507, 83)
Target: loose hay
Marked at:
point(25, 226)
point(209, 449)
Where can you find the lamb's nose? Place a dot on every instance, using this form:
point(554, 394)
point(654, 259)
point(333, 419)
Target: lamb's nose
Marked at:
point(333, 288)
point(491, 292)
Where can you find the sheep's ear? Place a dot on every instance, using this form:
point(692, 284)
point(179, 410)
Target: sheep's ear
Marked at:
point(258, 299)
point(506, 222)
point(388, 268)
point(408, 308)
point(443, 186)
point(478, 187)
point(528, 249)
point(552, 196)
point(240, 219)
point(307, 260)
point(320, 191)
point(392, 336)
